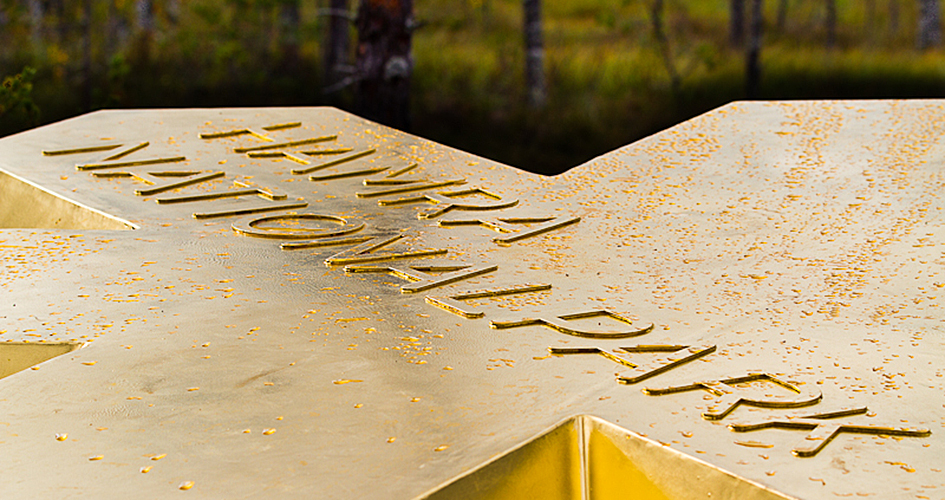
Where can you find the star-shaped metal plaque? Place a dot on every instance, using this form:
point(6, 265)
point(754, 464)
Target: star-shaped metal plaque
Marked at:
point(298, 303)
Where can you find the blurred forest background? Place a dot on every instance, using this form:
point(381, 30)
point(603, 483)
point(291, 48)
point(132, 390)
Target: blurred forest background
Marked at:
point(597, 74)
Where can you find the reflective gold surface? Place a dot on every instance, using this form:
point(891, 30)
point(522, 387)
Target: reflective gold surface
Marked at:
point(347, 340)
point(585, 457)
point(18, 356)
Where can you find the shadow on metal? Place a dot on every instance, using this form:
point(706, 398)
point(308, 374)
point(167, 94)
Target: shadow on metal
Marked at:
point(18, 356)
point(24, 205)
point(585, 457)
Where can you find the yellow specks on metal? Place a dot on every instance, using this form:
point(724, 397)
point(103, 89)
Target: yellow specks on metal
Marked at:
point(762, 238)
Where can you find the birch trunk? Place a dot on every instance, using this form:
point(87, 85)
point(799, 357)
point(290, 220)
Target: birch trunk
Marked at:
point(534, 54)
point(930, 24)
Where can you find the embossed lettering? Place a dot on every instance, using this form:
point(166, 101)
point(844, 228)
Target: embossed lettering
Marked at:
point(367, 251)
point(179, 184)
point(411, 189)
point(420, 276)
point(560, 324)
point(446, 201)
point(505, 225)
point(453, 304)
point(250, 210)
point(649, 370)
point(727, 398)
point(252, 228)
point(822, 433)
point(332, 163)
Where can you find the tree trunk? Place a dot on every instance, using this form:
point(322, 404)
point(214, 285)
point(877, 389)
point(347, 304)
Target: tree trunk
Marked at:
point(736, 23)
point(289, 20)
point(831, 23)
point(662, 41)
point(87, 55)
point(336, 50)
point(534, 54)
point(172, 10)
point(117, 30)
point(144, 15)
point(144, 29)
point(384, 61)
point(782, 15)
point(930, 24)
point(870, 18)
point(893, 18)
point(36, 13)
point(753, 54)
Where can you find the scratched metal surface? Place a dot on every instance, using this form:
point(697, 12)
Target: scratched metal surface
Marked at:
point(800, 239)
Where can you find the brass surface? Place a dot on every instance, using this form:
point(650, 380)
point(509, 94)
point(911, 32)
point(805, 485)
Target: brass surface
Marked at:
point(585, 457)
point(18, 356)
point(773, 272)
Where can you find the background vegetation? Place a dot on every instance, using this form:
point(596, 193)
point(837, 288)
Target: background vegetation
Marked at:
point(610, 79)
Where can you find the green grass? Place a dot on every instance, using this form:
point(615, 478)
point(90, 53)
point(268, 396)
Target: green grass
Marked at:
point(608, 83)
